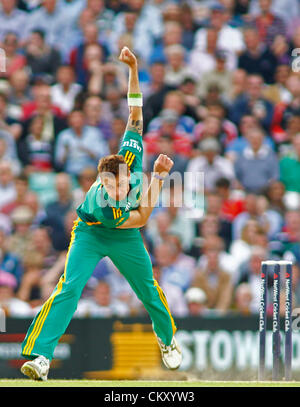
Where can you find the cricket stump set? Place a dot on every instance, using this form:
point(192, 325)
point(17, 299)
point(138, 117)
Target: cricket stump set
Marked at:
point(277, 267)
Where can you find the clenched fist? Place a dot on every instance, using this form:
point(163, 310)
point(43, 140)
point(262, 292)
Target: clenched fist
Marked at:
point(127, 57)
point(163, 165)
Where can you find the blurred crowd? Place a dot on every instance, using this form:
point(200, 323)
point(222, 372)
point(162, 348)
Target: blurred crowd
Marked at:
point(221, 88)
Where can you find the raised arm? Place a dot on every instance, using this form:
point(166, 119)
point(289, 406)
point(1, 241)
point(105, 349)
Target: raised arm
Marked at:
point(135, 120)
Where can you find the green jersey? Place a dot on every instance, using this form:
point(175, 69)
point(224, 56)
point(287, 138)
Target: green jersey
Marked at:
point(98, 208)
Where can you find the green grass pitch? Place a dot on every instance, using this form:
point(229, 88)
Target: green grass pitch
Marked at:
point(140, 383)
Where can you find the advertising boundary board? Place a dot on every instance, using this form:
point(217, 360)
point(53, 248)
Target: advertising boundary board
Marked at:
point(222, 348)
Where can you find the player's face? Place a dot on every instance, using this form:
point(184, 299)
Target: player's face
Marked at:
point(117, 187)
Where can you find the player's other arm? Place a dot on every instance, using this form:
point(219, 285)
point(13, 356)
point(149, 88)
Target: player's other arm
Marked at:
point(135, 119)
point(139, 217)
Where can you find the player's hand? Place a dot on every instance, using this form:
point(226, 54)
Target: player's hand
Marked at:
point(127, 57)
point(163, 165)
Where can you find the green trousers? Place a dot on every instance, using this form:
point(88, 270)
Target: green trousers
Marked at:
point(88, 245)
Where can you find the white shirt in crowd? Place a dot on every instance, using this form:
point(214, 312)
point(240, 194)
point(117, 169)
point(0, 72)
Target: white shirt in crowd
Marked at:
point(65, 100)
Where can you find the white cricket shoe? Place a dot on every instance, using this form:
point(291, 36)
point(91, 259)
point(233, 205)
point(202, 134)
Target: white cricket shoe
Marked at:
point(171, 355)
point(36, 369)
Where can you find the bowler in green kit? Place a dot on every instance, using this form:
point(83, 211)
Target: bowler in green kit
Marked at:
point(108, 223)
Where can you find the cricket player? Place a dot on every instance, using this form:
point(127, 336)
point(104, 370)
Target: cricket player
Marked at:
point(108, 224)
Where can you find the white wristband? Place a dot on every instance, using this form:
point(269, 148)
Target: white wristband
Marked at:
point(135, 99)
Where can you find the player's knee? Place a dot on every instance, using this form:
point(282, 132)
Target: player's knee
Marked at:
point(71, 290)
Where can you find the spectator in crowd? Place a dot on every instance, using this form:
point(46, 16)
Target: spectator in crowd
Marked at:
point(166, 145)
point(9, 303)
point(210, 225)
point(228, 129)
point(249, 273)
point(202, 61)
point(209, 162)
point(253, 102)
point(211, 278)
point(243, 299)
point(175, 219)
point(42, 105)
point(257, 58)
point(211, 127)
point(174, 268)
point(176, 67)
point(9, 262)
point(119, 286)
point(118, 127)
point(14, 60)
point(186, 118)
point(238, 86)
point(65, 90)
point(278, 92)
point(50, 20)
point(281, 50)
point(219, 77)
point(231, 204)
point(36, 154)
point(106, 76)
point(188, 89)
point(288, 9)
point(284, 139)
point(7, 184)
point(79, 145)
point(12, 19)
point(176, 297)
point(103, 16)
point(85, 180)
point(56, 211)
point(95, 113)
point(8, 123)
point(268, 24)
point(237, 146)
point(102, 304)
point(172, 35)
point(22, 192)
point(19, 92)
point(196, 302)
point(8, 151)
point(52, 261)
point(168, 127)
point(156, 92)
point(257, 207)
point(241, 248)
point(19, 241)
point(257, 165)
point(29, 290)
point(79, 54)
point(42, 59)
point(229, 39)
point(141, 37)
point(287, 240)
point(275, 194)
point(290, 168)
point(115, 105)
point(189, 25)
point(157, 229)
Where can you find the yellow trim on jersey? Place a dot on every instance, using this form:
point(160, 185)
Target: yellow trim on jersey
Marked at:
point(47, 306)
point(90, 223)
point(117, 213)
point(120, 221)
point(125, 157)
point(131, 161)
point(128, 156)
